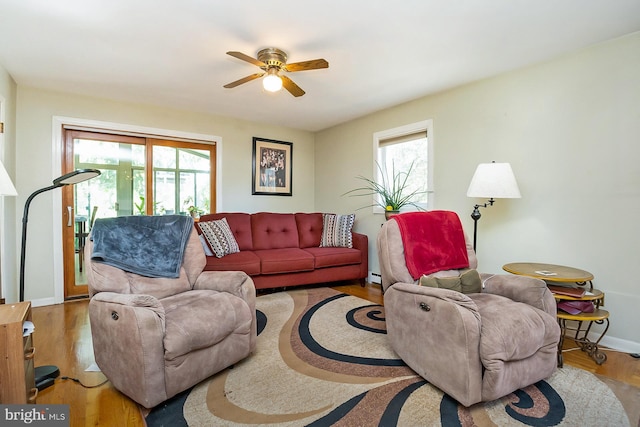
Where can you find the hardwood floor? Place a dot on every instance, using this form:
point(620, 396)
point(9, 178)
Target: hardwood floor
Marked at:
point(63, 338)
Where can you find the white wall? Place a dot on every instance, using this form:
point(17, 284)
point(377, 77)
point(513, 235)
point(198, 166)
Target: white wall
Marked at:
point(570, 129)
point(8, 259)
point(37, 167)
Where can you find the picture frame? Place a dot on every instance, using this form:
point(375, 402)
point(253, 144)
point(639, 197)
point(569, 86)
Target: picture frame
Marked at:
point(272, 167)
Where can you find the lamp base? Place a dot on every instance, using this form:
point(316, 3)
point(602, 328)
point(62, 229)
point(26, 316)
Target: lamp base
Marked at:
point(46, 376)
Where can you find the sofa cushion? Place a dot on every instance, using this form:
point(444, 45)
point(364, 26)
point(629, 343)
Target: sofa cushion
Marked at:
point(240, 225)
point(246, 261)
point(333, 257)
point(286, 260)
point(219, 237)
point(309, 229)
point(336, 230)
point(274, 231)
point(189, 316)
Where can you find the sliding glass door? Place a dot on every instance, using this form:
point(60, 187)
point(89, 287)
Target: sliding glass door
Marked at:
point(180, 180)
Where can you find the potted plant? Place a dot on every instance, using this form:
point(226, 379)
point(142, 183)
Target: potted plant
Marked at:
point(392, 191)
point(194, 211)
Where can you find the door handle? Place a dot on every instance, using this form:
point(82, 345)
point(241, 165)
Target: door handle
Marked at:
point(69, 209)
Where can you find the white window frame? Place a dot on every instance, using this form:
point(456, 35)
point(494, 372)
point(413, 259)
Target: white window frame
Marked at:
point(422, 126)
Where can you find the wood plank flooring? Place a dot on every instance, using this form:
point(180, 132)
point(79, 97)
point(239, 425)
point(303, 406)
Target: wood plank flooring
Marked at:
point(63, 338)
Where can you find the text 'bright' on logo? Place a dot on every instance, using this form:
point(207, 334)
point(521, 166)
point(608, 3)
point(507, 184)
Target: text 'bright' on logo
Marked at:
point(34, 415)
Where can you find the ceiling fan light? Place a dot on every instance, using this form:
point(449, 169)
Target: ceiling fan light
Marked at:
point(272, 82)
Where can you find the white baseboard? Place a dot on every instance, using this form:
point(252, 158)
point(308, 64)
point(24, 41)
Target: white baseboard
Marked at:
point(619, 344)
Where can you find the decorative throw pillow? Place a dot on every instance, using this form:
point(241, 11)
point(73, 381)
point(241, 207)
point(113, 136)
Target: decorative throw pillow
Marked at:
point(205, 245)
point(468, 282)
point(336, 230)
point(219, 237)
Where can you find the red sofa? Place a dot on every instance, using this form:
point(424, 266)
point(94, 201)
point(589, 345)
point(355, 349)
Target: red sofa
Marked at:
point(283, 249)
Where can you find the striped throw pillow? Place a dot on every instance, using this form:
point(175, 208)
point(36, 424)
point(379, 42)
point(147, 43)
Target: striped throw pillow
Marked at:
point(336, 230)
point(219, 237)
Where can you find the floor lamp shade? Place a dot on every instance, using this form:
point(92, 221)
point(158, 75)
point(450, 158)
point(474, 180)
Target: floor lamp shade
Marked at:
point(493, 181)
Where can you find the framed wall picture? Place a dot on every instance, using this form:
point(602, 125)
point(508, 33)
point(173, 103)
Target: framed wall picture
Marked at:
point(272, 167)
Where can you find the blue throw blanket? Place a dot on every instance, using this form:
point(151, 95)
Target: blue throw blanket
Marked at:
point(151, 246)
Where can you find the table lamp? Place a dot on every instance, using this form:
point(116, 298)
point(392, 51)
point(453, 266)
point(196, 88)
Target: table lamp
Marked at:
point(45, 375)
point(494, 181)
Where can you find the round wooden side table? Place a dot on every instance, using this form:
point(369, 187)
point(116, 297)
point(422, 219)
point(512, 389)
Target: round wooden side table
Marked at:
point(562, 274)
point(551, 272)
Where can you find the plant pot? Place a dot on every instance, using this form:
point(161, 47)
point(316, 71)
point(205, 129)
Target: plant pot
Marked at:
point(387, 214)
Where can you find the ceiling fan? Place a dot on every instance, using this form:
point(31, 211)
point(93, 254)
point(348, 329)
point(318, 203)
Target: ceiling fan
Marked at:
point(273, 62)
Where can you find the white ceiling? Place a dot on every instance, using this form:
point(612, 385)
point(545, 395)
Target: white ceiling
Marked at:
point(380, 53)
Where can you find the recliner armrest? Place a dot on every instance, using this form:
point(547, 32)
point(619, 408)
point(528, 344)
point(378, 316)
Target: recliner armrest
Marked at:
point(236, 283)
point(128, 330)
point(437, 333)
point(528, 290)
point(132, 300)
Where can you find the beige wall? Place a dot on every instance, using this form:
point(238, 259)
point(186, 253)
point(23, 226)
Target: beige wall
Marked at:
point(8, 258)
point(570, 130)
point(37, 167)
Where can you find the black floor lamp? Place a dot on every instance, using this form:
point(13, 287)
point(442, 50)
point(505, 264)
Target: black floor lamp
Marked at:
point(494, 181)
point(45, 375)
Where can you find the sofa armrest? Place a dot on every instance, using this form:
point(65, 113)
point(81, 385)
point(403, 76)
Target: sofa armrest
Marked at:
point(522, 289)
point(128, 333)
point(361, 242)
point(437, 333)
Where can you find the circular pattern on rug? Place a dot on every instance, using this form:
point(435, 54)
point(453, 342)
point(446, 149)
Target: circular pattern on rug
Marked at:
point(322, 325)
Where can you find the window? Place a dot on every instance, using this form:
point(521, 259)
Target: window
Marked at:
point(181, 180)
point(404, 148)
point(142, 175)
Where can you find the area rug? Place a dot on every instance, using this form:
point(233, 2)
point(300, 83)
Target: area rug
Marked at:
point(323, 359)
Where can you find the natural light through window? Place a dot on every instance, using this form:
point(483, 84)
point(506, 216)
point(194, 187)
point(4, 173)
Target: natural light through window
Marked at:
point(407, 149)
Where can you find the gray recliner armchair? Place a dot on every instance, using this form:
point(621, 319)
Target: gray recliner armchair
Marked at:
point(477, 346)
point(156, 337)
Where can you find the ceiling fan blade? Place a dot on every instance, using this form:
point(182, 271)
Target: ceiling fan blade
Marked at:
point(293, 88)
point(244, 80)
point(247, 58)
point(313, 64)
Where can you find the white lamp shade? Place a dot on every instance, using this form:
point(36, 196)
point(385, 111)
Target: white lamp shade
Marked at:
point(494, 180)
point(6, 186)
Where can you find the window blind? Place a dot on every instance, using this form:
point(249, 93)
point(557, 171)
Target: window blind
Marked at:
point(402, 138)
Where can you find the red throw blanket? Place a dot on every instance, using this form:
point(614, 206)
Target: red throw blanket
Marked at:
point(433, 241)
